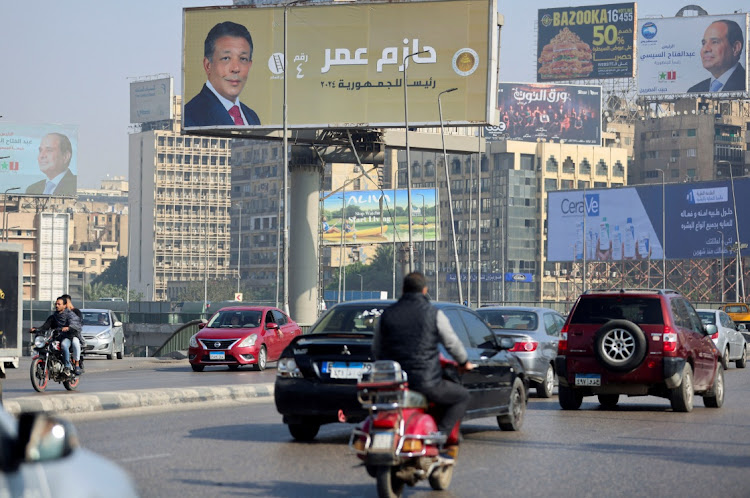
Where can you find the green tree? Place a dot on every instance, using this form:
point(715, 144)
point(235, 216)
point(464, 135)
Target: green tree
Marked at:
point(115, 274)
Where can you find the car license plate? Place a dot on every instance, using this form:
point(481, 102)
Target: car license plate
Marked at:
point(382, 441)
point(588, 380)
point(216, 355)
point(344, 370)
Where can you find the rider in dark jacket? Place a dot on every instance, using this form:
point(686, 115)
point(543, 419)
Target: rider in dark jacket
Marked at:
point(409, 332)
point(68, 323)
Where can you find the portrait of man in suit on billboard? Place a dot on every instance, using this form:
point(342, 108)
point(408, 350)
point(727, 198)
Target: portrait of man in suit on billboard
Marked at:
point(227, 58)
point(55, 153)
point(721, 48)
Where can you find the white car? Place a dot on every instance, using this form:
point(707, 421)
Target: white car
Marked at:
point(728, 339)
point(41, 458)
point(103, 333)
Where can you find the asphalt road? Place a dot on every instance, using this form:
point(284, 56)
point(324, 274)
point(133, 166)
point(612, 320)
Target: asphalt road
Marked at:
point(641, 448)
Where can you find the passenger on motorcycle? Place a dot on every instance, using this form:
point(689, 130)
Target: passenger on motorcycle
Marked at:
point(409, 332)
point(70, 329)
point(77, 360)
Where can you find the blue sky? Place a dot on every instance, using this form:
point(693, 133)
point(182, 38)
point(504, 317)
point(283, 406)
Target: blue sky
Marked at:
point(70, 62)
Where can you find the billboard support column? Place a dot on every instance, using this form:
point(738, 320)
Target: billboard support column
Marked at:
point(663, 233)
point(5, 214)
point(304, 221)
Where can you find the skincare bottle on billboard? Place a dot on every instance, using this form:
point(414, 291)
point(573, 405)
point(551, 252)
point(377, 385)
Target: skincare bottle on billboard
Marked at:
point(579, 241)
point(629, 242)
point(592, 239)
point(643, 245)
point(617, 244)
point(604, 235)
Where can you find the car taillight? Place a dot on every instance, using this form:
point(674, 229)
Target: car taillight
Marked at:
point(669, 339)
point(562, 344)
point(715, 335)
point(524, 347)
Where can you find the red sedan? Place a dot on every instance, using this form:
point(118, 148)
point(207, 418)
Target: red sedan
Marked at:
point(242, 335)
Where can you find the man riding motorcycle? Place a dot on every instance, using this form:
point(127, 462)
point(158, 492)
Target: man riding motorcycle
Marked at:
point(409, 332)
point(70, 328)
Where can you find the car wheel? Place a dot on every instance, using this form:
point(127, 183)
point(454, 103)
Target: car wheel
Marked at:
point(725, 358)
point(388, 483)
point(570, 399)
point(544, 388)
point(682, 396)
point(111, 356)
point(516, 408)
point(714, 398)
point(304, 431)
point(608, 401)
point(197, 368)
point(262, 358)
point(742, 362)
point(620, 345)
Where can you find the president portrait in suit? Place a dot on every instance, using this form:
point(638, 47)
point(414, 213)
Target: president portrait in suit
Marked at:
point(721, 48)
point(227, 58)
point(55, 153)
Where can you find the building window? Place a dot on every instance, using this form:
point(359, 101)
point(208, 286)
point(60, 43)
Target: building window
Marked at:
point(584, 167)
point(691, 132)
point(550, 184)
point(690, 152)
point(552, 166)
point(566, 184)
point(569, 166)
point(600, 184)
point(675, 173)
point(691, 173)
point(583, 184)
point(601, 168)
point(527, 162)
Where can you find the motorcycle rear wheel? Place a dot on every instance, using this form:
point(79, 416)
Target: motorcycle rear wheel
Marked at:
point(39, 376)
point(72, 384)
point(389, 485)
point(441, 477)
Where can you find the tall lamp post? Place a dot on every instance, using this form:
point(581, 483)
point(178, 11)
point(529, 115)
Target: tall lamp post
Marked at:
point(424, 259)
point(5, 213)
point(450, 197)
point(408, 161)
point(663, 232)
point(360, 284)
point(740, 277)
point(722, 263)
point(239, 248)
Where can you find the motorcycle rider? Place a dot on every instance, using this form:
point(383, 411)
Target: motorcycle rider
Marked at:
point(409, 332)
point(77, 361)
point(69, 325)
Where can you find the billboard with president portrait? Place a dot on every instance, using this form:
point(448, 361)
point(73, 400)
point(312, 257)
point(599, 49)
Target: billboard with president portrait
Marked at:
point(589, 42)
point(693, 55)
point(348, 65)
point(546, 111)
point(39, 159)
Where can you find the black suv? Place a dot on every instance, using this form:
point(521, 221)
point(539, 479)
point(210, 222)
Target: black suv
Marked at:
point(317, 374)
point(637, 342)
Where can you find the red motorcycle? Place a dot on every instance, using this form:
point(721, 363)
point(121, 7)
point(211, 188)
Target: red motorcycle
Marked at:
point(399, 441)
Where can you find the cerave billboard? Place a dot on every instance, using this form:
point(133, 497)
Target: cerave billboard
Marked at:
point(346, 65)
point(39, 159)
point(592, 42)
point(532, 111)
point(680, 55)
point(376, 217)
point(151, 100)
point(626, 223)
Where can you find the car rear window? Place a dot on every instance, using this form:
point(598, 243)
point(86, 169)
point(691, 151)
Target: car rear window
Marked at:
point(735, 309)
point(351, 319)
point(707, 317)
point(601, 309)
point(510, 319)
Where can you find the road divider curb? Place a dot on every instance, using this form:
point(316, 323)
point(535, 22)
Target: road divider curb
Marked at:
point(92, 402)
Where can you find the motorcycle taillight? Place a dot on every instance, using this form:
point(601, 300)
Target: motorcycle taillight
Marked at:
point(386, 420)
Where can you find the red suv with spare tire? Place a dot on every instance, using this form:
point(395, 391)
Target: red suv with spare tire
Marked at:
point(637, 342)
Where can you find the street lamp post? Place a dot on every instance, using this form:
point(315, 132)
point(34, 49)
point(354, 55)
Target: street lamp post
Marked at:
point(424, 259)
point(408, 161)
point(740, 278)
point(5, 213)
point(450, 197)
point(722, 263)
point(239, 249)
point(360, 284)
point(663, 232)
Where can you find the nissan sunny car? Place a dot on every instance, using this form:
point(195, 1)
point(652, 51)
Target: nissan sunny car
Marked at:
point(242, 335)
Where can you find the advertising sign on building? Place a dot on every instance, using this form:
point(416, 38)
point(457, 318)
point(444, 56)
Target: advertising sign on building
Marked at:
point(376, 217)
point(696, 55)
point(151, 100)
point(39, 159)
point(582, 43)
point(533, 111)
point(626, 223)
point(53, 255)
point(349, 64)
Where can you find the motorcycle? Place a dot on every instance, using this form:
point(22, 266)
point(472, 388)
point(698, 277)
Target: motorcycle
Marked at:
point(49, 363)
point(399, 441)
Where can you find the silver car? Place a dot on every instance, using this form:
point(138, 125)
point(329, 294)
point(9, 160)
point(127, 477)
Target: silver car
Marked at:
point(102, 331)
point(536, 332)
point(42, 458)
point(728, 339)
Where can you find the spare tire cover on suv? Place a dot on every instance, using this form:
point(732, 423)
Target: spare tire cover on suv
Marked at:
point(620, 345)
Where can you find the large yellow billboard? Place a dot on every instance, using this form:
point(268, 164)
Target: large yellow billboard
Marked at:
point(349, 65)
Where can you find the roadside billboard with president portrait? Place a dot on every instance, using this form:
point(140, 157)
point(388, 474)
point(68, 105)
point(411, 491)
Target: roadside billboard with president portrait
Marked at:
point(693, 55)
point(546, 111)
point(349, 65)
point(588, 42)
point(39, 159)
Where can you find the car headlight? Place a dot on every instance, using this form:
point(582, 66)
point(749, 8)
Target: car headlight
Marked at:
point(194, 341)
point(39, 341)
point(107, 334)
point(248, 341)
point(287, 367)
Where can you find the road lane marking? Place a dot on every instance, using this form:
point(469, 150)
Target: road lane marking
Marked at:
point(146, 457)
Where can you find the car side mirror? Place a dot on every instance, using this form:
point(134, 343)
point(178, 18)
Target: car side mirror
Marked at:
point(272, 326)
point(741, 326)
point(118, 324)
point(41, 438)
point(507, 343)
point(201, 325)
point(710, 329)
